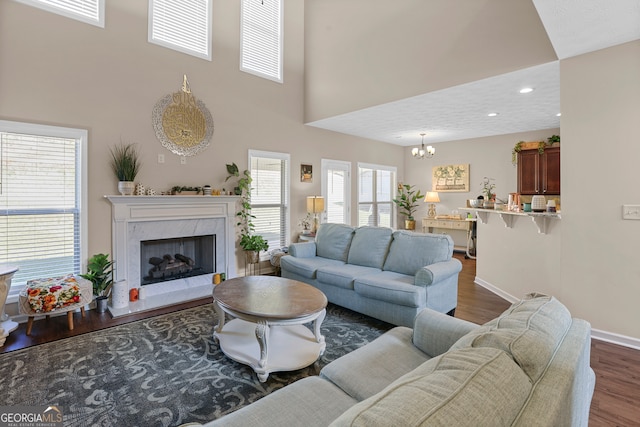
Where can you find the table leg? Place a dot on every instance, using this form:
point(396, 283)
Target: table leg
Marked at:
point(29, 325)
point(220, 313)
point(70, 319)
point(262, 334)
point(316, 330)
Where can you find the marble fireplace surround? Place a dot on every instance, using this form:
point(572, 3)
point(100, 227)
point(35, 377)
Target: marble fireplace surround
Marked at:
point(139, 218)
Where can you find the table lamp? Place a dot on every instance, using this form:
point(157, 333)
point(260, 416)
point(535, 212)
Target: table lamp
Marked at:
point(315, 205)
point(432, 198)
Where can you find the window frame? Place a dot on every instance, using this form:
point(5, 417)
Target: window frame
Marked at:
point(285, 239)
point(81, 136)
point(245, 29)
point(375, 203)
point(154, 4)
point(50, 6)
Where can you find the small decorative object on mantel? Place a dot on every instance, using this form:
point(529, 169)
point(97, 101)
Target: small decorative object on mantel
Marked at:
point(407, 202)
point(125, 163)
point(182, 123)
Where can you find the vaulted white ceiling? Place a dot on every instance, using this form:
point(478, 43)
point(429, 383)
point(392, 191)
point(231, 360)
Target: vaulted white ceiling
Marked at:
point(574, 27)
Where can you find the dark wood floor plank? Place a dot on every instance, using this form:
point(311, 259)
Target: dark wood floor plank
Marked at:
point(616, 400)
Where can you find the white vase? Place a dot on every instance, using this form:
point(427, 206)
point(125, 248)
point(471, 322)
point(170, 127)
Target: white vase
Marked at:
point(120, 294)
point(126, 188)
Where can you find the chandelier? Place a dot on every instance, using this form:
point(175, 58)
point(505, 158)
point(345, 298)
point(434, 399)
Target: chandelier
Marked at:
point(423, 152)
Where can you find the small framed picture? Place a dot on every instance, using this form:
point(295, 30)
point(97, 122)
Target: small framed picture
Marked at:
point(306, 173)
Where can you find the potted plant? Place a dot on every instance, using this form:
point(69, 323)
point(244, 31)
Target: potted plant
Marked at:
point(100, 273)
point(251, 243)
point(487, 191)
point(125, 162)
point(407, 202)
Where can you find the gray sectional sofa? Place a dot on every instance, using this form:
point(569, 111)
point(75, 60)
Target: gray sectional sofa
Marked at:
point(528, 367)
point(389, 275)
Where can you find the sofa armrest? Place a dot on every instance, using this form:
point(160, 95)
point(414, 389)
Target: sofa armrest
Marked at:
point(303, 250)
point(434, 332)
point(437, 272)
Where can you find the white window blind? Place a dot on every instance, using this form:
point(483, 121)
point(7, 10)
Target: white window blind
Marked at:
point(41, 211)
point(376, 187)
point(270, 196)
point(89, 11)
point(261, 38)
point(182, 25)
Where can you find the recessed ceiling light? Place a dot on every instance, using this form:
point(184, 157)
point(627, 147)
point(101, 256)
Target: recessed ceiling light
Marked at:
point(559, 114)
point(492, 114)
point(526, 90)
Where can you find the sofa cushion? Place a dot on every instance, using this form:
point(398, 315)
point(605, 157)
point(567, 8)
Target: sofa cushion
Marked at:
point(411, 251)
point(468, 387)
point(530, 331)
point(343, 275)
point(333, 240)
point(391, 287)
point(312, 401)
point(367, 370)
point(369, 246)
point(305, 267)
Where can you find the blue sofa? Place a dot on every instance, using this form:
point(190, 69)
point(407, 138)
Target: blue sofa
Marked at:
point(389, 275)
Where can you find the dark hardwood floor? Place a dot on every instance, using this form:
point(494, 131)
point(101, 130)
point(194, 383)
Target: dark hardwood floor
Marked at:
point(615, 400)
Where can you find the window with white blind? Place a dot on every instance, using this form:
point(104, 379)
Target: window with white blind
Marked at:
point(89, 11)
point(42, 208)
point(376, 189)
point(336, 190)
point(182, 25)
point(261, 38)
point(270, 196)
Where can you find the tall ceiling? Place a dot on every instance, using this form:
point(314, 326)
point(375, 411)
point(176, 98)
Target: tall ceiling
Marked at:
point(574, 27)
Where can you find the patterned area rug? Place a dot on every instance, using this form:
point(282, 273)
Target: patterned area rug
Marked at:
point(162, 371)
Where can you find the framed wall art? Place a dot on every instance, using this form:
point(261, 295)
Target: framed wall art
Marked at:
point(306, 173)
point(450, 178)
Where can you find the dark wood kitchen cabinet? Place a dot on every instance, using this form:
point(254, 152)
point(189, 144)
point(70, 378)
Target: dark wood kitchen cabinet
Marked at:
point(539, 173)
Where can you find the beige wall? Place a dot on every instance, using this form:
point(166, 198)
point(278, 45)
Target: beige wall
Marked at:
point(58, 71)
point(353, 60)
point(600, 98)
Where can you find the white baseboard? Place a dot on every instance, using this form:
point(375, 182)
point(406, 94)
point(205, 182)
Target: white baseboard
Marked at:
point(597, 334)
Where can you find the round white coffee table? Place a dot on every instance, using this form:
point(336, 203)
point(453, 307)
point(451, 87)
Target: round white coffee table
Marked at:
point(268, 332)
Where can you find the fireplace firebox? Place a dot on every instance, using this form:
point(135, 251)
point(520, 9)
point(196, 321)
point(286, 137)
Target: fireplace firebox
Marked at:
point(174, 258)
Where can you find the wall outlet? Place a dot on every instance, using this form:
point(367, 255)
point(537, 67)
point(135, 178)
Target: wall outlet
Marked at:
point(630, 211)
point(160, 158)
point(183, 160)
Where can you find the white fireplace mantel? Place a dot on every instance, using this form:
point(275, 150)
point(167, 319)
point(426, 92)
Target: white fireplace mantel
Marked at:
point(137, 218)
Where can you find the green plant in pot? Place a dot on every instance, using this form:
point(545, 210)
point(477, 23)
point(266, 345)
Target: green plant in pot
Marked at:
point(487, 191)
point(125, 163)
point(407, 202)
point(250, 242)
point(100, 273)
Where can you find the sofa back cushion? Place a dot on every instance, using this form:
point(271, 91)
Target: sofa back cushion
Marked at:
point(369, 246)
point(468, 387)
point(529, 331)
point(333, 240)
point(409, 251)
